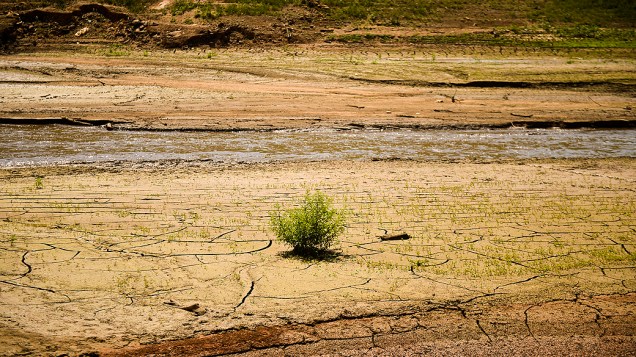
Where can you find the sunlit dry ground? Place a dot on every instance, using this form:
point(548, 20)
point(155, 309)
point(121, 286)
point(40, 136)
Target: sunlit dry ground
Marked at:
point(98, 257)
point(320, 86)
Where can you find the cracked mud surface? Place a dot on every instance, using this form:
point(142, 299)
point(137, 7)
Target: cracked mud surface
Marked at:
point(316, 86)
point(176, 258)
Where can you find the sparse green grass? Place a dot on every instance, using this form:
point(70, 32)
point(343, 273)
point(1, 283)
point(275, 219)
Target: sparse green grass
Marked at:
point(553, 24)
point(470, 232)
point(557, 38)
point(116, 50)
point(608, 13)
point(208, 10)
point(619, 13)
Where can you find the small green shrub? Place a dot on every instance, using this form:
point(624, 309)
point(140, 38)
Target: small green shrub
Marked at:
point(311, 228)
point(39, 183)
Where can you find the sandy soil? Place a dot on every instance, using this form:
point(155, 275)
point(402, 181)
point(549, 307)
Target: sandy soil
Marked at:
point(528, 256)
point(316, 86)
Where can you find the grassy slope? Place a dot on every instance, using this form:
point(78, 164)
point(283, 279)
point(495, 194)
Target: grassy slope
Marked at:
point(534, 23)
point(602, 13)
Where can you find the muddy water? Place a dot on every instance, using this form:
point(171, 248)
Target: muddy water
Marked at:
point(23, 145)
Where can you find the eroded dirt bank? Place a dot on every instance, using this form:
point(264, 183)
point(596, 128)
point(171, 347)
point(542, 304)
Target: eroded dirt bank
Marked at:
point(525, 256)
point(315, 86)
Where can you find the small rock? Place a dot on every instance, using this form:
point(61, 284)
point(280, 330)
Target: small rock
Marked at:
point(82, 32)
point(191, 307)
point(90, 354)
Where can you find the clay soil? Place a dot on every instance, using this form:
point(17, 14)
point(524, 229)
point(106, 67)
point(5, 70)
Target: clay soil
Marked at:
point(174, 258)
point(312, 86)
point(124, 259)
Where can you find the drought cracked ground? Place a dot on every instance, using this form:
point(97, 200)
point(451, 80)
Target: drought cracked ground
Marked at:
point(317, 87)
point(177, 258)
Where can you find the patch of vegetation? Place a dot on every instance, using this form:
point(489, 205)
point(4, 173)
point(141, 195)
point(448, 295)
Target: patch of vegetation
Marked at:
point(562, 37)
point(360, 38)
point(601, 13)
point(392, 13)
point(39, 183)
point(57, 3)
point(208, 10)
point(604, 13)
point(311, 228)
point(547, 23)
point(116, 50)
point(132, 5)
point(180, 7)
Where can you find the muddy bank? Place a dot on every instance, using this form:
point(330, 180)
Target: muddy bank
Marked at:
point(310, 87)
point(515, 124)
point(601, 85)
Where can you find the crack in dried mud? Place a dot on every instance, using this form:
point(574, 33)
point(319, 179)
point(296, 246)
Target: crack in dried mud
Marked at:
point(485, 255)
point(353, 330)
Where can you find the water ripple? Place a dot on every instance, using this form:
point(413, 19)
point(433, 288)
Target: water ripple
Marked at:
point(24, 145)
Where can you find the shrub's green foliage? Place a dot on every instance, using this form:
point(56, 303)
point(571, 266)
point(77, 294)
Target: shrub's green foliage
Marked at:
point(310, 228)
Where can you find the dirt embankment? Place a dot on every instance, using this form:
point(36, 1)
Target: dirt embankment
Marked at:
point(90, 24)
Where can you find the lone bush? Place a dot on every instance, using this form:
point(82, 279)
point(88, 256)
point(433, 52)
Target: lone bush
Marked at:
point(311, 228)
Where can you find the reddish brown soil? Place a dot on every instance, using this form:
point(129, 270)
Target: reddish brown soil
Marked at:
point(577, 328)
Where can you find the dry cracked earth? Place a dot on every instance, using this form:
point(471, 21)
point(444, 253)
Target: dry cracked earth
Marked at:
point(176, 258)
point(172, 258)
point(316, 86)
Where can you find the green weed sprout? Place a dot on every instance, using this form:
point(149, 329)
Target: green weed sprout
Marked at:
point(39, 183)
point(311, 228)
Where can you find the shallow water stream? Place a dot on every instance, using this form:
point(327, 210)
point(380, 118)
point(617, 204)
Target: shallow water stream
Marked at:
point(23, 145)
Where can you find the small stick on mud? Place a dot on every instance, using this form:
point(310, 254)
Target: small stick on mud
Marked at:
point(401, 236)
